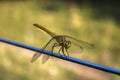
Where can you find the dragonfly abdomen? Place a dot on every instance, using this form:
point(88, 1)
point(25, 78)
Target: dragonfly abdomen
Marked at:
point(52, 34)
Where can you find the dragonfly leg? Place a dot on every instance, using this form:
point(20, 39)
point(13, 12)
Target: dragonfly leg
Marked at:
point(55, 45)
point(67, 52)
point(53, 49)
point(60, 50)
point(63, 50)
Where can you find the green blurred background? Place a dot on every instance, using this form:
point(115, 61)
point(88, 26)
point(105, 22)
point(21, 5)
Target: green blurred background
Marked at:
point(92, 21)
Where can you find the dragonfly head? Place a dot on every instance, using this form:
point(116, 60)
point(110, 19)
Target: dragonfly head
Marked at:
point(67, 44)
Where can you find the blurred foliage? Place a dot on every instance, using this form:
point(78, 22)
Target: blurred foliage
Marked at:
point(91, 21)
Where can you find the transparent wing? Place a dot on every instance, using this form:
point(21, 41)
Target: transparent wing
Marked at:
point(45, 58)
point(35, 56)
point(80, 43)
point(49, 48)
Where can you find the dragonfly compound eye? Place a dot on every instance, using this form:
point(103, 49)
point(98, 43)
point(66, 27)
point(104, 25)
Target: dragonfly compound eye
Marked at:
point(67, 44)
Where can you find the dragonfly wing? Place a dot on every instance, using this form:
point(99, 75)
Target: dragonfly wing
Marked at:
point(81, 48)
point(49, 47)
point(45, 58)
point(80, 43)
point(35, 56)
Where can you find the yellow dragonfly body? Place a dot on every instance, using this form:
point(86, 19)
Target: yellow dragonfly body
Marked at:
point(61, 41)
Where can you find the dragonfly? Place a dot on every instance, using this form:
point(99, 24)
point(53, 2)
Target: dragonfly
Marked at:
point(60, 41)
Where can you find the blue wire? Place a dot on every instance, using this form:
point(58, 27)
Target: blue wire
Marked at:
point(71, 59)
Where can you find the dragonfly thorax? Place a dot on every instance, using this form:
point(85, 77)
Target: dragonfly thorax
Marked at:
point(62, 41)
